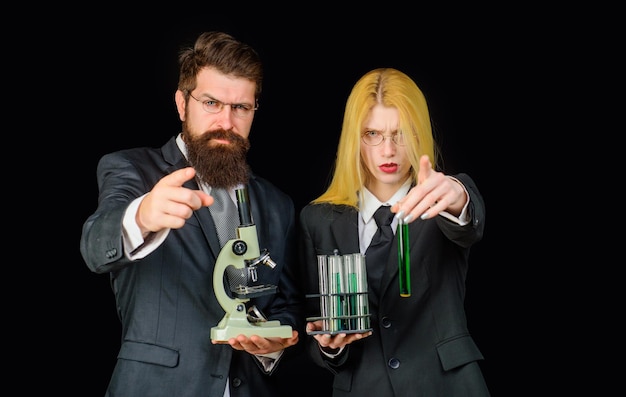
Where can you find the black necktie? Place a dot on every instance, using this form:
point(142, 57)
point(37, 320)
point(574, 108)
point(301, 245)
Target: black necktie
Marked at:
point(377, 254)
point(225, 215)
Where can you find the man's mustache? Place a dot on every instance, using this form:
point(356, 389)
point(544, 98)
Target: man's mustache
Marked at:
point(220, 134)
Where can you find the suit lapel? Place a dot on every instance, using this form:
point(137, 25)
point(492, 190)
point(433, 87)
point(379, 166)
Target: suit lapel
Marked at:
point(208, 228)
point(345, 230)
point(172, 154)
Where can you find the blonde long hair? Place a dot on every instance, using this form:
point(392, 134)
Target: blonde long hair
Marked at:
point(392, 88)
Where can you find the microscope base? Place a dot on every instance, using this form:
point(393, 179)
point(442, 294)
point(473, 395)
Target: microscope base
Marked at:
point(267, 329)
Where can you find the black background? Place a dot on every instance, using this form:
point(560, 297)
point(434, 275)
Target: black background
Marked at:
point(115, 72)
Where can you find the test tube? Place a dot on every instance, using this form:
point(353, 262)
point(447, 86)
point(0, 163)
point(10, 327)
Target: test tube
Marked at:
point(363, 302)
point(335, 285)
point(322, 270)
point(404, 259)
point(352, 275)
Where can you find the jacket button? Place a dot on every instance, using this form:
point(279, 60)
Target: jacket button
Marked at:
point(236, 382)
point(394, 363)
point(385, 322)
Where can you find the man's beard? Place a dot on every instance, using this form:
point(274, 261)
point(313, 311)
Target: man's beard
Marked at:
point(218, 165)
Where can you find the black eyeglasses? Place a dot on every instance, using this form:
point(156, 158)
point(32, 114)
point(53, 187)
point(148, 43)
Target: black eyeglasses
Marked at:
point(375, 138)
point(240, 110)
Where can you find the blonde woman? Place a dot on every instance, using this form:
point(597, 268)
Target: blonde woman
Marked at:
point(417, 344)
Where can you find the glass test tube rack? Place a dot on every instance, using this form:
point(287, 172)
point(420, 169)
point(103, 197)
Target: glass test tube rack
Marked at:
point(344, 305)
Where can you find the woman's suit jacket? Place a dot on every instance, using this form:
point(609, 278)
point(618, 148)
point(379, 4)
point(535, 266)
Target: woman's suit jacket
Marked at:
point(166, 302)
point(420, 344)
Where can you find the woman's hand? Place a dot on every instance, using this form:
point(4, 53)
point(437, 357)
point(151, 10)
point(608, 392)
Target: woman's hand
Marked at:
point(435, 192)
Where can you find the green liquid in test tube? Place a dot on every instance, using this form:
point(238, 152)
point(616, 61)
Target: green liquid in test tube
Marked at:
point(404, 259)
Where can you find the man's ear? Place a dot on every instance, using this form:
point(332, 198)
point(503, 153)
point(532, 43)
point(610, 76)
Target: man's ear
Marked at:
point(181, 104)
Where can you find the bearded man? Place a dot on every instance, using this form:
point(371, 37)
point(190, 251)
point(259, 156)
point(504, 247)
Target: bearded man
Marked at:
point(154, 234)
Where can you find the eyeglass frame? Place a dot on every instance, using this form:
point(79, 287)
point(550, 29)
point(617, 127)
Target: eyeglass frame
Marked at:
point(384, 137)
point(221, 105)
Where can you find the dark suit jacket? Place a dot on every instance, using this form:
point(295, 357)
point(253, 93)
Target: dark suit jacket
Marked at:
point(420, 344)
point(166, 302)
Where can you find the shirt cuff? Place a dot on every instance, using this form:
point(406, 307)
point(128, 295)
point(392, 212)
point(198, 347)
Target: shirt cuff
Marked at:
point(269, 360)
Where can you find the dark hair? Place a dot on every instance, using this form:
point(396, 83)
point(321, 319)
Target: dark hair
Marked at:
point(223, 52)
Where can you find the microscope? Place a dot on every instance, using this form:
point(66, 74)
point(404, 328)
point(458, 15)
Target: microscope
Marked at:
point(238, 260)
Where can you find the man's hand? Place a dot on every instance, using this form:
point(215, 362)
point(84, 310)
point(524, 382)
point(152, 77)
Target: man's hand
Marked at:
point(169, 204)
point(255, 344)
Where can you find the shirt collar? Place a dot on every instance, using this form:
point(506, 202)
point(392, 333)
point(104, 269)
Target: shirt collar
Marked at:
point(181, 144)
point(368, 203)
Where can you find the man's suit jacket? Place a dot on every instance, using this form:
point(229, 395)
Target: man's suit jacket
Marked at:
point(166, 302)
point(420, 344)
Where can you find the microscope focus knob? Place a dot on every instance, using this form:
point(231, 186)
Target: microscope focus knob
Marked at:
point(239, 247)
